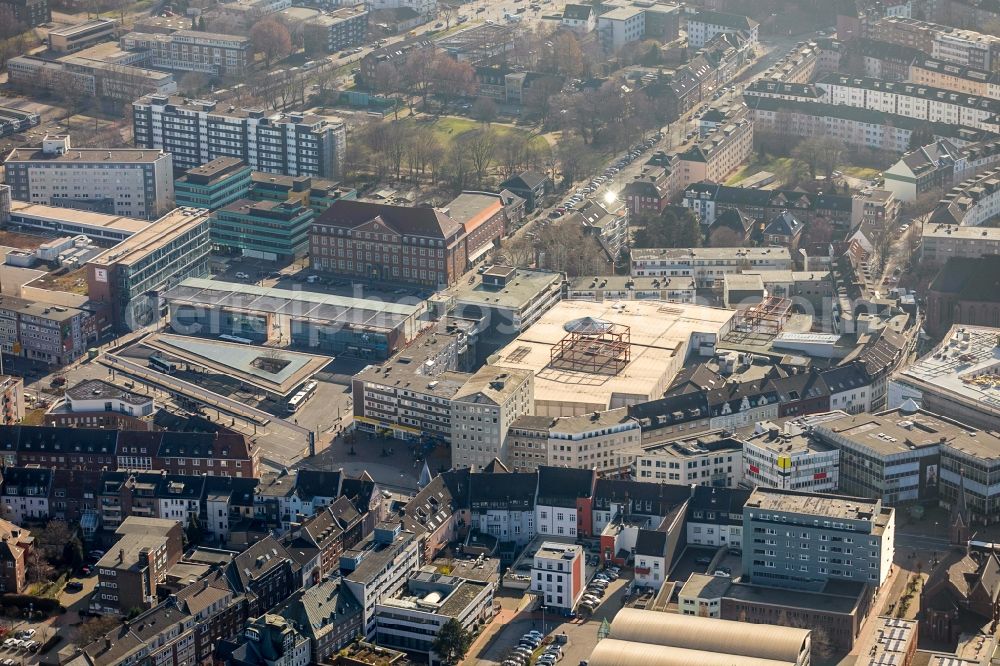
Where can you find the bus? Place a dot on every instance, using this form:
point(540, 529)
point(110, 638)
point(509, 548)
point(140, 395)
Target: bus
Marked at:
point(159, 364)
point(300, 398)
point(236, 338)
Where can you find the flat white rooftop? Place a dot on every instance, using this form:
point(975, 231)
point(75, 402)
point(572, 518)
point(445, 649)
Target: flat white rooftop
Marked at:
point(660, 335)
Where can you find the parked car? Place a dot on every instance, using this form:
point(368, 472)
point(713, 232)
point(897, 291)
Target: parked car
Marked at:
point(74, 586)
point(242, 276)
point(703, 560)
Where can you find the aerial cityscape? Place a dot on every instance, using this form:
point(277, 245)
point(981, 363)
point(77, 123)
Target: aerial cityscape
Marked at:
point(499, 332)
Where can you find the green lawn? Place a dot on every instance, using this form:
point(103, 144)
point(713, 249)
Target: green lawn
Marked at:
point(864, 173)
point(449, 128)
point(780, 166)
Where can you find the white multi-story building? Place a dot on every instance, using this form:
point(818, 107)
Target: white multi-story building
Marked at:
point(378, 567)
point(129, 182)
point(482, 412)
point(621, 26)
point(709, 264)
point(426, 8)
point(944, 241)
point(703, 25)
point(558, 574)
point(607, 441)
point(788, 458)
point(197, 132)
point(974, 202)
point(715, 516)
point(214, 54)
point(708, 459)
point(558, 502)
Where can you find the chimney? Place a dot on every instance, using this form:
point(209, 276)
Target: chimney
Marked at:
point(121, 554)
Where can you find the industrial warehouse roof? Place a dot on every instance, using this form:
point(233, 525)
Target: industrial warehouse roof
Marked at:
point(763, 643)
point(362, 312)
point(610, 652)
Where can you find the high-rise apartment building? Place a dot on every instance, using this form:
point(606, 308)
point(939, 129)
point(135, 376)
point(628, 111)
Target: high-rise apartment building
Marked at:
point(805, 540)
point(129, 182)
point(198, 131)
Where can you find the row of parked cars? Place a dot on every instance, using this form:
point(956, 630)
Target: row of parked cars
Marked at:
point(597, 588)
point(531, 641)
point(608, 174)
point(22, 640)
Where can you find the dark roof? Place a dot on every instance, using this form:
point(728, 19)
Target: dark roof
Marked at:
point(670, 410)
point(503, 490)
point(651, 542)
point(562, 486)
point(322, 608)
point(748, 196)
point(783, 224)
point(318, 483)
point(970, 279)
point(322, 528)
point(578, 12)
point(725, 19)
point(723, 502)
point(22, 477)
point(47, 439)
point(846, 377)
point(96, 389)
point(526, 180)
point(203, 445)
point(801, 386)
point(256, 561)
point(662, 497)
point(430, 508)
point(756, 392)
point(404, 220)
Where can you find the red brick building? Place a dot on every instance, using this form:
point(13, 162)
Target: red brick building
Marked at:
point(966, 291)
point(15, 542)
point(420, 246)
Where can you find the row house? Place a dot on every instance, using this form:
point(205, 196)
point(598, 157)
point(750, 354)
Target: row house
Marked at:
point(329, 533)
point(266, 573)
point(214, 454)
point(709, 200)
point(289, 497)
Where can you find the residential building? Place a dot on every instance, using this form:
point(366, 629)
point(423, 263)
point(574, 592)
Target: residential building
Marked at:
point(713, 458)
point(128, 574)
point(886, 60)
point(972, 203)
point(939, 242)
point(530, 186)
point(420, 246)
point(127, 277)
point(879, 209)
point(558, 575)
point(923, 171)
point(268, 230)
point(335, 31)
point(198, 131)
point(133, 183)
point(412, 621)
point(959, 78)
point(720, 153)
point(29, 13)
point(43, 332)
point(218, 183)
point(709, 200)
point(213, 54)
point(482, 412)
point(607, 222)
point(838, 538)
point(714, 516)
point(378, 568)
point(962, 293)
point(563, 502)
point(703, 25)
point(26, 492)
point(650, 191)
point(507, 300)
point(15, 544)
point(11, 399)
point(790, 458)
point(265, 573)
point(702, 595)
point(706, 265)
point(81, 35)
point(95, 403)
point(955, 45)
point(607, 441)
point(269, 639)
point(396, 54)
point(579, 18)
point(327, 614)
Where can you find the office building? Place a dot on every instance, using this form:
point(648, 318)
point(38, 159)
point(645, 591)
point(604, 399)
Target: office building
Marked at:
point(558, 575)
point(709, 459)
point(506, 299)
point(837, 538)
point(213, 54)
point(789, 458)
point(128, 182)
point(409, 397)
point(335, 31)
point(366, 328)
point(419, 246)
point(707, 265)
point(128, 277)
point(219, 183)
point(607, 441)
point(625, 288)
point(412, 621)
point(81, 35)
point(267, 230)
point(482, 412)
point(317, 194)
point(943, 383)
point(57, 221)
point(109, 78)
point(128, 574)
point(197, 132)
